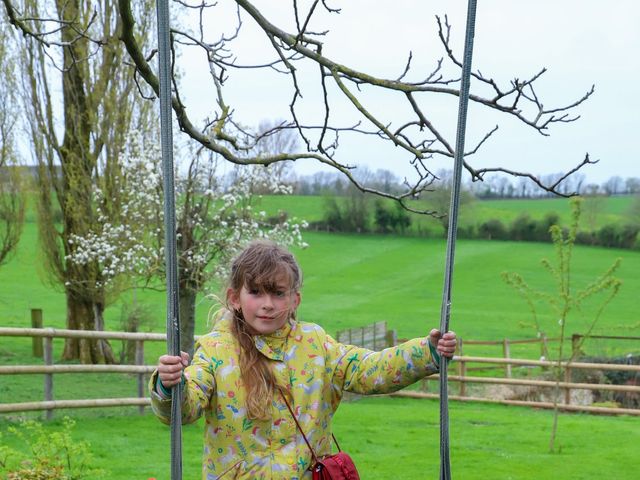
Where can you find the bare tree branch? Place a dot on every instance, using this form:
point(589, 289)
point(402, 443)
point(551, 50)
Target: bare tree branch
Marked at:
point(551, 188)
point(418, 138)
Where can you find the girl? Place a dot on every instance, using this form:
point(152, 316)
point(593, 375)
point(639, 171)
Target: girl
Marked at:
point(258, 354)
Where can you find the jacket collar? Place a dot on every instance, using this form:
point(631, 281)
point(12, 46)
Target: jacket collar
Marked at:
point(274, 345)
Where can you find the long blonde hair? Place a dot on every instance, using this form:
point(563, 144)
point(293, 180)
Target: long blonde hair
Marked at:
point(257, 267)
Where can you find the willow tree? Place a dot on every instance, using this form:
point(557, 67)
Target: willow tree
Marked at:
point(80, 102)
point(11, 198)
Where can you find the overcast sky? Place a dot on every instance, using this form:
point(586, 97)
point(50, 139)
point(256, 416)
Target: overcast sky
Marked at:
point(581, 43)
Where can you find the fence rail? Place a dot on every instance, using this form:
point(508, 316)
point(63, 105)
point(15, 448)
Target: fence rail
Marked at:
point(49, 369)
point(140, 370)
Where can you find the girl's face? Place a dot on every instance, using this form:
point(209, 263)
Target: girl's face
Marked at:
point(265, 311)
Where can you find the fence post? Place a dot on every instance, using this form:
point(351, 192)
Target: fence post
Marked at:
point(392, 338)
point(48, 377)
point(36, 322)
point(575, 344)
point(462, 371)
point(544, 347)
point(141, 382)
point(507, 355)
point(567, 390)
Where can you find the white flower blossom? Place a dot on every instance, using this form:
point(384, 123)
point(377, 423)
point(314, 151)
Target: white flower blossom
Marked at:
point(130, 244)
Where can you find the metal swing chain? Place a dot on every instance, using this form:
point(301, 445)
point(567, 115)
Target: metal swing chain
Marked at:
point(171, 262)
point(445, 464)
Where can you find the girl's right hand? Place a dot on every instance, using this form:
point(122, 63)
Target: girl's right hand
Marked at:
point(170, 368)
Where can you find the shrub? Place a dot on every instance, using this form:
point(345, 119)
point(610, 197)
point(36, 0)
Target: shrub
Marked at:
point(332, 215)
point(351, 216)
point(628, 236)
point(541, 231)
point(54, 456)
point(523, 228)
point(608, 236)
point(468, 231)
point(492, 230)
point(391, 220)
point(586, 238)
point(401, 219)
point(383, 218)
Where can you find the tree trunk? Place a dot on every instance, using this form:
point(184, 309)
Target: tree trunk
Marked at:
point(86, 315)
point(187, 307)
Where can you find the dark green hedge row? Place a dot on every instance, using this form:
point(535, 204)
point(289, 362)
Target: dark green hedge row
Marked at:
point(357, 215)
point(524, 228)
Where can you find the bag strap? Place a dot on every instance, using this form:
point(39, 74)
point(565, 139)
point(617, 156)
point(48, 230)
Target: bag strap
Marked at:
point(313, 454)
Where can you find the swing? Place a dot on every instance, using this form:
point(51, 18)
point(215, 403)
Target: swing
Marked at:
point(445, 464)
point(173, 320)
point(171, 261)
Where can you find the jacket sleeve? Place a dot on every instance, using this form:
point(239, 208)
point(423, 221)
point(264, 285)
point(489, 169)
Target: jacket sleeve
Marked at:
point(198, 389)
point(364, 371)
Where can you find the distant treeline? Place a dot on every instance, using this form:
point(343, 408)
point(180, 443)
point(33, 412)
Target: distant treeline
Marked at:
point(493, 186)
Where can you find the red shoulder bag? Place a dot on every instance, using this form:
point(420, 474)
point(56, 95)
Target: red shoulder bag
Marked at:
point(338, 466)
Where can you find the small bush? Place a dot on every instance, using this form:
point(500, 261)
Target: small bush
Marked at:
point(53, 456)
point(608, 236)
point(628, 236)
point(391, 220)
point(541, 231)
point(523, 228)
point(333, 218)
point(586, 238)
point(492, 230)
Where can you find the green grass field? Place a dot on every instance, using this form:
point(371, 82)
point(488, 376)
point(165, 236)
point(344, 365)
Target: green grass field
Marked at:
point(354, 280)
point(392, 438)
point(350, 281)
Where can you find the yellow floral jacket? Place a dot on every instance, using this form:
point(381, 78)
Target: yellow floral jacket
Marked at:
point(315, 370)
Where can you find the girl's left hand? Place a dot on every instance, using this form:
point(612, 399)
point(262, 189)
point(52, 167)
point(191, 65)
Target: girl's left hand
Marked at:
point(445, 344)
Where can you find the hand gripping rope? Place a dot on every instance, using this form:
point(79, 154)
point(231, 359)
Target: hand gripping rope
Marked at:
point(445, 465)
point(171, 261)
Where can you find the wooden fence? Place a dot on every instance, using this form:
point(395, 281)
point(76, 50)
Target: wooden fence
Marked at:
point(374, 336)
point(461, 362)
point(566, 386)
point(49, 369)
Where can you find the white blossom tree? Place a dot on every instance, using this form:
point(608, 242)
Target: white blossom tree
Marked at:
point(214, 219)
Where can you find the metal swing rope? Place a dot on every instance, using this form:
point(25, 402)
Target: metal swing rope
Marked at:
point(171, 259)
point(445, 464)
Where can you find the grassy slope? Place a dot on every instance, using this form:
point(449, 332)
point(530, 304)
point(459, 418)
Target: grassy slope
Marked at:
point(353, 280)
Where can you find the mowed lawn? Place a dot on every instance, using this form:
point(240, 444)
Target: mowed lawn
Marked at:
point(397, 439)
